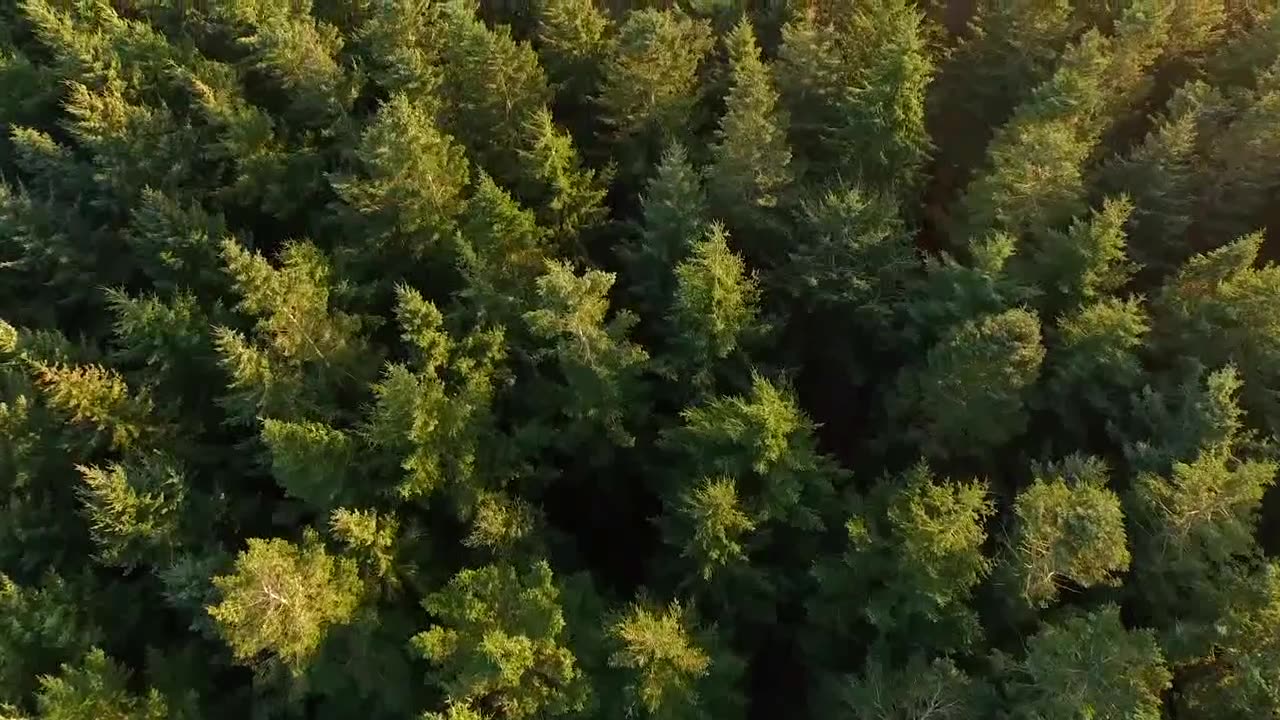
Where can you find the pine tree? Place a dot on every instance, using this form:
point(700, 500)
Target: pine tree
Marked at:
point(1007, 50)
point(135, 510)
point(970, 393)
point(1082, 265)
point(912, 558)
point(1069, 528)
point(1193, 522)
point(750, 169)
point(41, 627)
point(600, 366)
point(574, 38)
point(493, 86)
point(1237, 677)
point(852, 258)
point(409, 179)
point(674, 215)
point(432, 419)
point(497, 644)
point(675, 671)
point(301, 348)
point(96, 689)
point(1035, 178)
point(854, 84)
point(1091, 665)
point(568, 196)
point(1215, 309)
point(1093, 360)
point(1162, 176)
point(715, 309)
point(282, 599)
point(651, 83)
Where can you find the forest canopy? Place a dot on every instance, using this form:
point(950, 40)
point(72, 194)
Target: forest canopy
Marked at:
point(690, 360)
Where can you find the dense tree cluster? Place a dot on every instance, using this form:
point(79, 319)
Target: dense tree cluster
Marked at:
point(841, 359)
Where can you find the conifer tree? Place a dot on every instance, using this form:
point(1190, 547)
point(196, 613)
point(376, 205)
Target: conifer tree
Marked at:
point(410, 178)
point(135, 510)
point(970, 393)
point(674, 215)
point(675, 670)
point(715, 309)
point(492, 87)
point(40, 628)
point(853, 257)
point(1026, 190)
point(574, 38)
point(1007, 50)
point(301, 349)
point(96, 688)
point(854, 84)
point(1093, 360)
point(651, 83)
point(1215, 309)
point(920, 689)
point(1091, 665)
point(497, 645)
point(431, 418)
point(912, 557)
point(1163, 177)
point(750, 168)
point(600, 366)
point(280, 600)
point(1069, 527)
point(568, 195)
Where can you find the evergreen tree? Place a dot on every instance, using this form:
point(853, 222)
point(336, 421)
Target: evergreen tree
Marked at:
point(1088, 665)
point(496, 647)
point(912, 557)
point(1069, 527)
point(750, 169)
point(282, 599)
point(675, 671)
point(1035, 177)
point(651, 83)
point(854, 83)
point(715, 307)
point(1215, 309)
point(970, 394)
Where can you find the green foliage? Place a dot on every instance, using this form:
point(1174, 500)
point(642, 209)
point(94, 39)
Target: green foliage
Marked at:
point(408, 178)
point(651, 81)
point(40, 628)
point(1088, 666)
point(854, 82)
point(282, 599)
point(432, 418)
point(134, 510)
point(715, 306)
point(1035, 179)
point(912, 557)
point(919, 690)
point(1216, 309)
point(750, 169)
point(496, 646)
point(1069, 528)
point(455, 360)
point(675, 671)
point(970, 393)
point(599, 365)
point(96, 689)
point(854, 257)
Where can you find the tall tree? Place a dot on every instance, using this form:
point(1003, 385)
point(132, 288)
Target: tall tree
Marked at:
point(854, 82)
point(750, 169)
